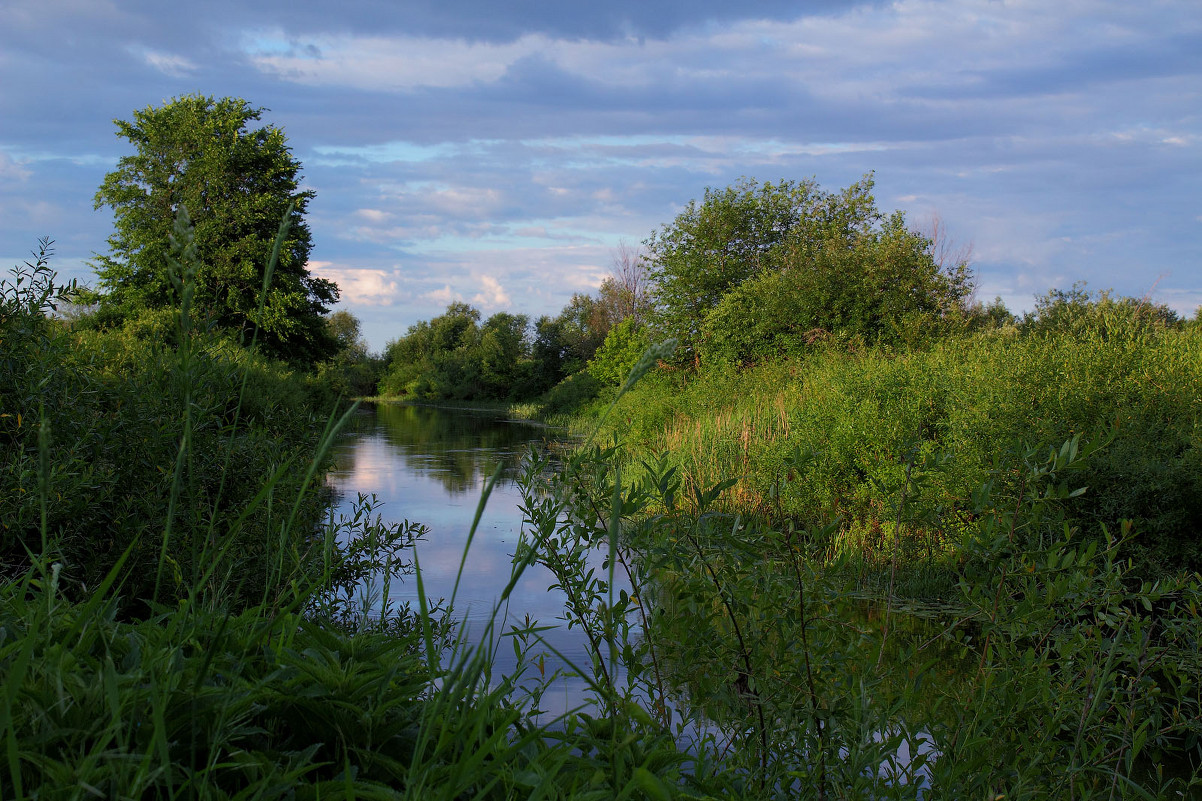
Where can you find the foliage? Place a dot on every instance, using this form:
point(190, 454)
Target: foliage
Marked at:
point(984, 399)
point(236, 182)
point(1057, 676)
point(571, 395)
point(563, 344)
point(454, 357)
point(307, 693)
point(990, 317)
point(755, 271)
point(352, 371)
point(621, 350)
point(882, 288)
point(727, 667)
point(1078, 313)
point(133, 436)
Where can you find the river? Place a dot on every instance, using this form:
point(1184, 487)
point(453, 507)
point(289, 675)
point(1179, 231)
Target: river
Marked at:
point(430, 465)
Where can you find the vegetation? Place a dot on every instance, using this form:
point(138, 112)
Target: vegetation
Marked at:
point(93, 420)
point(236, 182)
point(179, 616)
point(822, 339)
point(352, 372)
point(1057, 676)
point(755, 272)
point(454, 357)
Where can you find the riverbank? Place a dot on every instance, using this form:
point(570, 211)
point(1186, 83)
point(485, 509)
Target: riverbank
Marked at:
point(893, 445)
point(215, 645)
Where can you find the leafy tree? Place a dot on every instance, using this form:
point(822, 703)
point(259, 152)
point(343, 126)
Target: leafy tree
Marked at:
point(991, 316)
point(623, 347)
point(442, 358)
point(352, 371)
point(237, 183)
point(347, 332)
point(504, 354)
point(754, 271)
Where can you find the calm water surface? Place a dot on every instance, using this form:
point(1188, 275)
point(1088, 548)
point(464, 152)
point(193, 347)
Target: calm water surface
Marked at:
point(430, 465)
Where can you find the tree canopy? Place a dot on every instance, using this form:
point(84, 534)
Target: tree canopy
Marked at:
point(237, 183)
point(454, 356)
point(754, 271)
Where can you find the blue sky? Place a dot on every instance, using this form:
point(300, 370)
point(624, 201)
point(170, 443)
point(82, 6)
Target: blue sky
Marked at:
point(498, 153)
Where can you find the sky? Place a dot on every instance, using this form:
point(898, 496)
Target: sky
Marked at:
point(500, 153)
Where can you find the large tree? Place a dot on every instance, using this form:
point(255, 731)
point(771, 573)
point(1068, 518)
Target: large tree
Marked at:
point(237, 183)
point(755, 271)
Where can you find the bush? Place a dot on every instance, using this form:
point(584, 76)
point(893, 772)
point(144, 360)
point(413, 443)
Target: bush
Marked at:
point(753, 271)
point(986, 400)
point(623, 346)
point(118, 442)
point(571, 394)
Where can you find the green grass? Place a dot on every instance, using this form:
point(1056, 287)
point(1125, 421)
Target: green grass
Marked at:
point(178, 619)
point(830, 434)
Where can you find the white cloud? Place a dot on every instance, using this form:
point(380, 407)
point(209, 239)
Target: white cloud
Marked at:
point(1185, 302)
point(393, 64)
point(443, 296)
point(171, 65)
point(492, 295)
point(364, 287)
point(13, 170)
point(869, 52)
point(374, 216)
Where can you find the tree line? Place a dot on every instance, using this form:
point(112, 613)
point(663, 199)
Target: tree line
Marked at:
point(746, 274)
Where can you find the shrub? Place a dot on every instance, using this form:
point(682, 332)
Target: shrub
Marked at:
point(623, 346)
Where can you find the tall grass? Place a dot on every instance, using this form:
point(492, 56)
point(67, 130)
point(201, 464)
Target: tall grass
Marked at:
point(1055, 673)
point(819, 437)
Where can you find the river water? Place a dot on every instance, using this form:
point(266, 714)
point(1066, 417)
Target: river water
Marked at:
point(430, 465)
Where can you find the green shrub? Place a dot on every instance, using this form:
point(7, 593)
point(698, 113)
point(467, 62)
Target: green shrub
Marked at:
point(117, 438)
point(983, 400)
point(623, 346)
point(571, 394)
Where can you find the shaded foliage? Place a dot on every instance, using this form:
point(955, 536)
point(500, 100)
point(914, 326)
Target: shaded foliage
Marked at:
point(91, 420)
point(454, 357)
point(236, 182)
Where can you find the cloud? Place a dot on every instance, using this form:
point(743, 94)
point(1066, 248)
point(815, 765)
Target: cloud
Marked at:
point(442, 297)
point(1061, 138)
point(1186, 302)
point(492, 295)
point(389, 63)
point(363, 287)
point(173, 66)
point(13, 170)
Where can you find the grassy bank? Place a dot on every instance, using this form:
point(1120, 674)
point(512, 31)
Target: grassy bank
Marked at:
point(854, 436)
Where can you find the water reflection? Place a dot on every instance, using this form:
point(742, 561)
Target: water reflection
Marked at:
point(457, 449)
point(431, 465)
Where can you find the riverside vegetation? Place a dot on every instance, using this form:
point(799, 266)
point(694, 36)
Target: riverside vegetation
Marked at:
point(838, 422)
point(181, 618)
